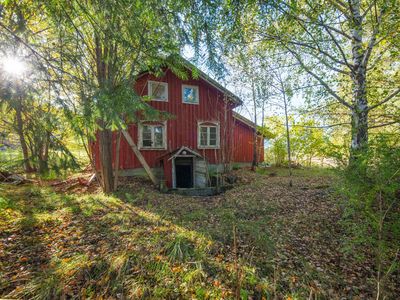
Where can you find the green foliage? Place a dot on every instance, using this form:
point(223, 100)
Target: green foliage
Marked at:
point(179, 249)
point(213, 171)
point(307, 140)
point(133, 200)
point(236, 166)
point(371, 185)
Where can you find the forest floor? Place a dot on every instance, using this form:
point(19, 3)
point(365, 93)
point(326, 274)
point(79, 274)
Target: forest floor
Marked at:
point(260, 240)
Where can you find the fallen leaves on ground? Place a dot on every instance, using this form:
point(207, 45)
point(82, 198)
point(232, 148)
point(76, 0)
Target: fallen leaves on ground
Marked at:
point(67, 243)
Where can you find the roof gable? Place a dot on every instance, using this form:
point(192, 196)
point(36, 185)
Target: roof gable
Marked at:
point(192, 68)
point(180, 151)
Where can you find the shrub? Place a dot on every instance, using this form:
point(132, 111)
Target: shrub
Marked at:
point(371, 184)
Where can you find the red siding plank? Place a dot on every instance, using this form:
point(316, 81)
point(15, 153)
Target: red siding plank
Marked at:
point(182, 130)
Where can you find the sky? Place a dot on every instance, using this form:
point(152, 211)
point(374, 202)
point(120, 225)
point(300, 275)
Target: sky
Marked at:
point(244, 92)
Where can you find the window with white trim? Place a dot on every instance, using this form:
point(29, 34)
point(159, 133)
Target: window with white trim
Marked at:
point(152, 136)
point(208, 136)
point(159, 90)
point(190, 94)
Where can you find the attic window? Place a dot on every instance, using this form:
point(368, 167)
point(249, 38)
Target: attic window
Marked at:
point(159, 90)
point(190, 94)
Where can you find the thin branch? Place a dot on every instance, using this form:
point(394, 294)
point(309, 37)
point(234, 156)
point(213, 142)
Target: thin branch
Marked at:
point(319, 48)
point(383, 125)
point(330, 27)
point(298, 43)
point(330, 91)
point(379, 57)
point(368, 9)
point(37, 54)
point(340, 48)
point(384, 100)
point(321, 127)
point(340, 6)
point(372, 41)
point(330, 66)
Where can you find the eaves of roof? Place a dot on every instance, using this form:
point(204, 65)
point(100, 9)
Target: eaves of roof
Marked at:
point(243, 119)
point(212, 82)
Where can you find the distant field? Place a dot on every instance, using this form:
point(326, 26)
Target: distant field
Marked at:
point(11, 159)
point(8, 158)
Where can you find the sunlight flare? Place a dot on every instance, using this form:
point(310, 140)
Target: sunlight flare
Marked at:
point(13, 66)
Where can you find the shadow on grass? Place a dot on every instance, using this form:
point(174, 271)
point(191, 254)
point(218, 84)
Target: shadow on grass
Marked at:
point(73, 247)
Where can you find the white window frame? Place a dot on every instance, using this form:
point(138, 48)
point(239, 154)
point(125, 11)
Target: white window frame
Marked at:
point(194, 87)
point(206, 124)
point(140, 136)
point(150, 90)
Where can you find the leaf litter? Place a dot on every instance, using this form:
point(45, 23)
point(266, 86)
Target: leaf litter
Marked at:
point(71, 244)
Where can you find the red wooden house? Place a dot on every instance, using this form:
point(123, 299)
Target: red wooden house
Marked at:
point(205, 131)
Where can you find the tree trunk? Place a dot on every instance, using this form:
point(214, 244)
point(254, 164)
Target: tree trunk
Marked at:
point(47, 146)
point(359, 118)
point(359, 115)
point(288, 139)
point(105, 134)
point(105, 146)
point(20, 125)
point(262, 131)
point(255, 161)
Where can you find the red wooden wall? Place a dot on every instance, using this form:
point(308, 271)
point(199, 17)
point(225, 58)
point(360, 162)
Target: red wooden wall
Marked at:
point(244, 143)
point(181, 131)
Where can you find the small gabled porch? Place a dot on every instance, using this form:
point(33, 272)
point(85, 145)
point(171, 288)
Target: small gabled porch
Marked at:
point(185, 168)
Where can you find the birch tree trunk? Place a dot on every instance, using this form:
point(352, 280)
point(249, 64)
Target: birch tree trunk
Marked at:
point(288, 139)
point(359, 113)
point(255, 161)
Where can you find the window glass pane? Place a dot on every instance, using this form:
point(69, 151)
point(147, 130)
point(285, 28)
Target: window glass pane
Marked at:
point(158, 139)
point(213, 134)
point(158, 136)
point(159, 90)
point(146, 136)
point(158, 143)
point(213, 142)
point(203, 136)
point(146, 143)
point(190, 95)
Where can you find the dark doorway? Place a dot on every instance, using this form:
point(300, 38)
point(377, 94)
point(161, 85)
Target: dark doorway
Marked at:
point(184, 172)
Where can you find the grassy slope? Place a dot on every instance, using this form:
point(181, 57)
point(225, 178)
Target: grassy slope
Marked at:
point(139, 244)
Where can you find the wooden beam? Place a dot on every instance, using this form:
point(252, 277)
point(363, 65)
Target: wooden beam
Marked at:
point(117, 161)
point(139, 156)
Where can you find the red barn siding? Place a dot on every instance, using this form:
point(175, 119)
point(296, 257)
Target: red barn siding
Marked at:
point(244, 143)
point(182, 130)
